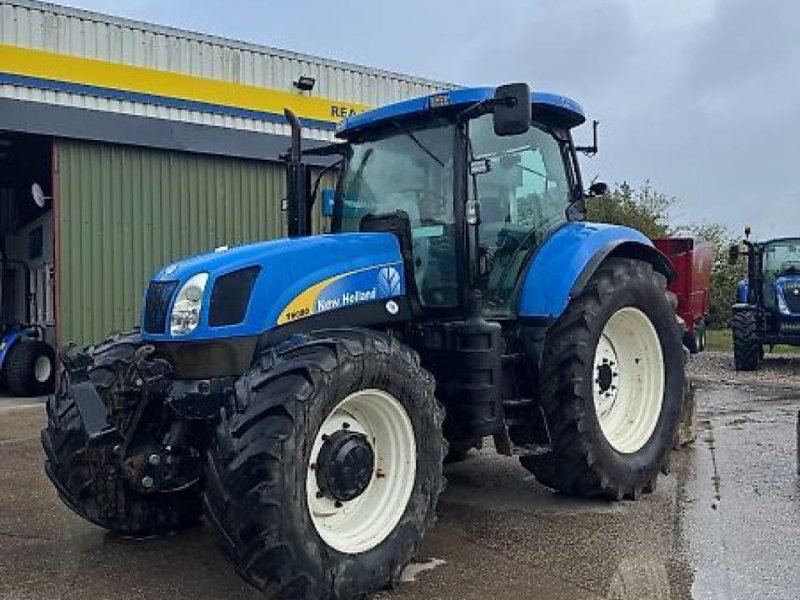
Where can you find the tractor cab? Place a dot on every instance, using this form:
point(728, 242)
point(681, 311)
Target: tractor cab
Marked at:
point(473, 195)
point(767, 309)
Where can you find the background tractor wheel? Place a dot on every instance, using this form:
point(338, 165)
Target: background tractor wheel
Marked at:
point(612, 380)
point(29, 368)
point(691, 339)
point(86, 479)
point(325, 475)
point(747, 348)
point(702, 329)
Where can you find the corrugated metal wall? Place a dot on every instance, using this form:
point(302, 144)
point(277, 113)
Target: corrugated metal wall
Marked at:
point(126, 211)
point(74, 32)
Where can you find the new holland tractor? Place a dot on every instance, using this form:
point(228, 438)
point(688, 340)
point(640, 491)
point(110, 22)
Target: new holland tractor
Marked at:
point(303, 393)
point(767, 308)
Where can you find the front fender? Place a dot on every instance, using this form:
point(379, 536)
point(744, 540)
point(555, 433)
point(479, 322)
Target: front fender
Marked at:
point(7, 342)
point(567, 260)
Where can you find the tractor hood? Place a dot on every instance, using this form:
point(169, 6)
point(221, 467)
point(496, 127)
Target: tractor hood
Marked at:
point(787, 292)
point(251, 289)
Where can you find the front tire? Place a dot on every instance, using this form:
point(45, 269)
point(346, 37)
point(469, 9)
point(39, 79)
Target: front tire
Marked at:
point(324, 476)
point(612, 380)
point(747, 348)
point(88, 478)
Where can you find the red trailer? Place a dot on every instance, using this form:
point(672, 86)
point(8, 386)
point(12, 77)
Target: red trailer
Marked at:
point(692, 261)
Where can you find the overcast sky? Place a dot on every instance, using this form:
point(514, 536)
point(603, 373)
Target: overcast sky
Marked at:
point(701, 97)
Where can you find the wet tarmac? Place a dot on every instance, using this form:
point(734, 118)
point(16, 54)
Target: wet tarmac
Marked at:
point(725, 524)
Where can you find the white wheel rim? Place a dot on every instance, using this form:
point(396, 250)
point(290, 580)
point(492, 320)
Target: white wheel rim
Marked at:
point(360, 524)
point(42, 369)
point(628, 380)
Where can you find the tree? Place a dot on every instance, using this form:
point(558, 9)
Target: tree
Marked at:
point(644, 209)
point(647, 210)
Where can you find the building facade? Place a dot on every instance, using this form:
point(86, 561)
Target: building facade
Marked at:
point(147, 144)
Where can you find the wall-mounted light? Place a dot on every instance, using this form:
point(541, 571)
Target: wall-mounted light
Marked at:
point(305, 83)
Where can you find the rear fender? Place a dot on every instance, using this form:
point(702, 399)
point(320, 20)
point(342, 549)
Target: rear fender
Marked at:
point(566, 261)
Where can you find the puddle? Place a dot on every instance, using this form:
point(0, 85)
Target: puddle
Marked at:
point(411, 571)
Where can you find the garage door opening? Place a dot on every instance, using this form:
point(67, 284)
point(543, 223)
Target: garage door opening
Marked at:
point(27, 265)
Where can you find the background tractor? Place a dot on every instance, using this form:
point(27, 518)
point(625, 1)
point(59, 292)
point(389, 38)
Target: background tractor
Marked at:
point(27, 358)
point(767, 308)
point(303, 392)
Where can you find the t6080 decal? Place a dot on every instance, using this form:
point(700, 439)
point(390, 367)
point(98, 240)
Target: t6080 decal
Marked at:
point(345, 290)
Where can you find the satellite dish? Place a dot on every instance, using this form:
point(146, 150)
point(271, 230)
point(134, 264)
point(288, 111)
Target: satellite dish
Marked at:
point(38, 195)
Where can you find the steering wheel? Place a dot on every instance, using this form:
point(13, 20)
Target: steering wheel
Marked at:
point(420, 192)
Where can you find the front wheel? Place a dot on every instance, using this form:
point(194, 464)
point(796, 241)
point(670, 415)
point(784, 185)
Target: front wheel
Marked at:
point(324, 476)
point(748, 352)
point(88, 477)
point(612, 383)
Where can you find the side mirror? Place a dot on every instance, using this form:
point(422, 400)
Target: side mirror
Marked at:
point(598, 188)
point(512, 109)
point(328, 198)
point(733, 254)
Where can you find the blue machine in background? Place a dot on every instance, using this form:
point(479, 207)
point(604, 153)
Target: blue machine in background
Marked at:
point(767, 308)
point(27, 362)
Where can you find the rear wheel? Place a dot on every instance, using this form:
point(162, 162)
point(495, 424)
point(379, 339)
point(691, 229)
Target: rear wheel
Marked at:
point(29, 368)
point(612, 378)
point(89, 479)
point(325, 475)
point(747, 348)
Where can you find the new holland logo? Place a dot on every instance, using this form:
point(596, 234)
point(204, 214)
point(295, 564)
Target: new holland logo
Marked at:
point(389, 282)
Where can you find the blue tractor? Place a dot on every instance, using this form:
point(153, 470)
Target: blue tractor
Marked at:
point(767, 308)
point(27, 362)
point(303, 393)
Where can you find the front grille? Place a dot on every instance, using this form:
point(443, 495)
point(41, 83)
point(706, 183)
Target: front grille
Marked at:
point(156, 305)
point(790, 327)
point(231, 296)
point(791, 293)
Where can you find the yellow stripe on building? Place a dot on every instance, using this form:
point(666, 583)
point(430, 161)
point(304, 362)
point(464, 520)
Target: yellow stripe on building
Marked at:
point(115, 76)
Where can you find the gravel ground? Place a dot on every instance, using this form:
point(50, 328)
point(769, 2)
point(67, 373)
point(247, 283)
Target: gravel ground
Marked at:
point(779, 370)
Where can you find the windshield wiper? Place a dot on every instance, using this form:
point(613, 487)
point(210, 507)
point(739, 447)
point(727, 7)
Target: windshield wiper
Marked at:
point(414, 138)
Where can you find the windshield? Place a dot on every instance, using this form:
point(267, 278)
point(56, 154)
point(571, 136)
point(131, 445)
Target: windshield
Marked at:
point(523, 189)
point(781, 258)
point(409, 170)
point(524, 194)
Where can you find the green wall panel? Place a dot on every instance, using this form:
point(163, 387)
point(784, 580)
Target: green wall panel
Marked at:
point(125, 211)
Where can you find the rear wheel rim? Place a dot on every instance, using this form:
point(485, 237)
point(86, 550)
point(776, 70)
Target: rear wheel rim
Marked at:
point(358, 525)
point(42, 368)
point(628, 381)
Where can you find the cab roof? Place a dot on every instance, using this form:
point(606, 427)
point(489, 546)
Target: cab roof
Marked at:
point(552, 108)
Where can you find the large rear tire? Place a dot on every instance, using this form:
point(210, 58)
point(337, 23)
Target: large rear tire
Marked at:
point(612, 378)
point(89, 480)
point(29, 368)
point(747, 348)
point(292, 491)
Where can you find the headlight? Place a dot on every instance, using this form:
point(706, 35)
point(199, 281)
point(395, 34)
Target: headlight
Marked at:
point(782, 306)
point(186, 310)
